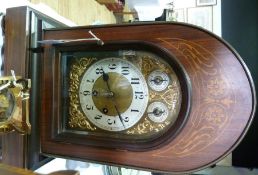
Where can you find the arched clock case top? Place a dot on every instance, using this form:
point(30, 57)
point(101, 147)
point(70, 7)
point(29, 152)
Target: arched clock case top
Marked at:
point(212, 90)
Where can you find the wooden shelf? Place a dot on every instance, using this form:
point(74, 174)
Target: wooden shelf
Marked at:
point(107, 1)
point(113, 5)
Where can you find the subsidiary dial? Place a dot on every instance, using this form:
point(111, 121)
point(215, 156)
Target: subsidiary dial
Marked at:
point(157, 112)
point(158, 80)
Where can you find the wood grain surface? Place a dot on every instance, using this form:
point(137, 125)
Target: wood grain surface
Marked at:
point(223, 98)
point(15, 47)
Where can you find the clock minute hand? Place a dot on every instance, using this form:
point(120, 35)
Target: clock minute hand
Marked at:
point(106, 78)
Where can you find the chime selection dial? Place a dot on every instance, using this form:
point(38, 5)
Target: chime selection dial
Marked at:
point(158, 80)
point(158, 112)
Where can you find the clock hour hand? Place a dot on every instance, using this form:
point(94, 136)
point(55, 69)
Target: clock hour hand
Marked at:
point(106, 78)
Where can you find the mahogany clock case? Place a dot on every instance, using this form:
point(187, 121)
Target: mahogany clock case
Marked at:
point(221, 108)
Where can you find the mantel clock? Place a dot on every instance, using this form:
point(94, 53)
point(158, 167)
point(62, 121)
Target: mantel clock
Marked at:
point(165, 97)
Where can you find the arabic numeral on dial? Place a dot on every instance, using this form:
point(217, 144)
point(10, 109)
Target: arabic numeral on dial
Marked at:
point(139, 95)
point(112, 66)
point(125, 70)
point(134, 110)
point(89, 107)
point(99, 70)
point(98, 117)
point(135, 81)
point(126, 119)
point(90, 81)
point(111, 122)
point(85, 93)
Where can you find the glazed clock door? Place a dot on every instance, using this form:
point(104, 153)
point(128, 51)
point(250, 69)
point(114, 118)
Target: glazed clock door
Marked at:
point(122, 95)
point(164, 97)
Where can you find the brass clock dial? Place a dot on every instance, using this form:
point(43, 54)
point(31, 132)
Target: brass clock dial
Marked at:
point(113, 94)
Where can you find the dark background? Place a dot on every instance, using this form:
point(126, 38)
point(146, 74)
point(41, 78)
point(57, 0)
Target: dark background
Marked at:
point(240, 29)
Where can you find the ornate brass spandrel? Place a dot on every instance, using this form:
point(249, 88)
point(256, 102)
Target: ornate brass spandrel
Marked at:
point(76, 117)
point(171, 96)
point(150, 63)
point(146, 126)
point(14, 104)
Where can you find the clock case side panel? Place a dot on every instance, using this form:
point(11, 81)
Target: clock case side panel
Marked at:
point(23, 28)
point(15, 19)
point(54, 85)
point(39, 22)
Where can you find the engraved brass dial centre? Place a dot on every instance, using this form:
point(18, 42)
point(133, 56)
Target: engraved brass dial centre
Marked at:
point(120, 91)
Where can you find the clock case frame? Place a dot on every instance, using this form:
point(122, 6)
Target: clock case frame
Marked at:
point(55, 84)
point(220, 83)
